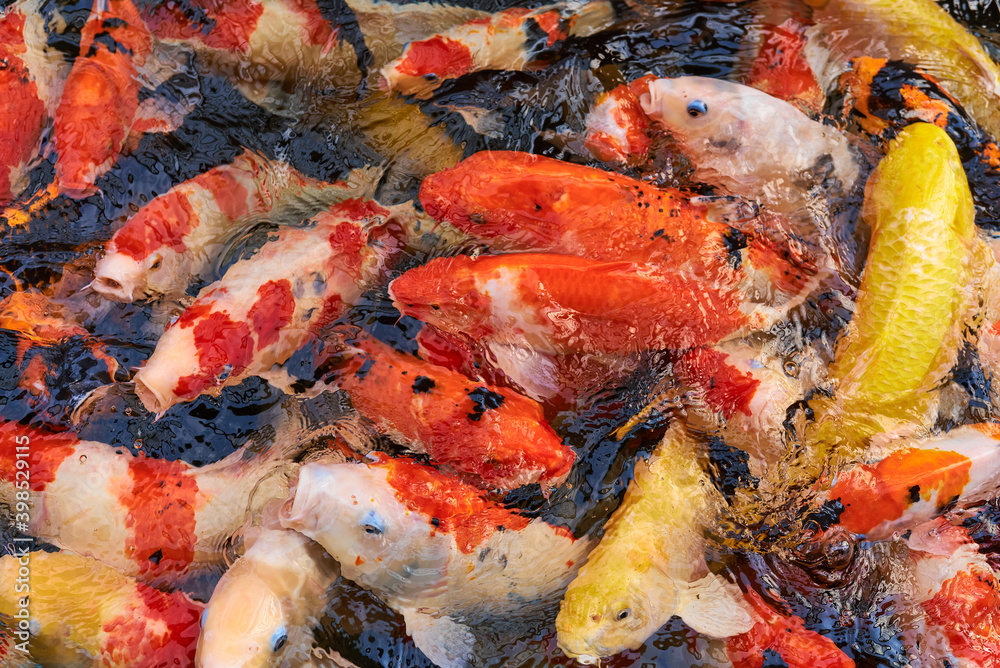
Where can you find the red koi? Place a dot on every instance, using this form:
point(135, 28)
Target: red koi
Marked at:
point(101, 96)
point(546, 302)
point(179, 234)
point(617, 126)
point(267, 306)
point(504, 41)
point(492, 435)
point(147, 518)
point(787, 635)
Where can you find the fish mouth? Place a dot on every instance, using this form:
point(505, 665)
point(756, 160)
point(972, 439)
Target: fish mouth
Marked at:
point(151, 398)
point(112, 277)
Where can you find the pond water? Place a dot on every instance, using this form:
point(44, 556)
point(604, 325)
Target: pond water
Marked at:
point(541, 111)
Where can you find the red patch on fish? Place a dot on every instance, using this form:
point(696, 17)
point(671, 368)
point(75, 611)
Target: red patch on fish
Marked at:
point(872, 494)
point(22, 113)
point(223, 24)
point(967, 610)
point(781, 68)
point(549, 22)
point(224, 346)
point(164, 222)
point(460, 509)
point(727, 389)
point(272, 311)
point(45, 452)
point(319, 32)
point(161, 505)
point(228, 193)
point(156, 630)
point(447, 58)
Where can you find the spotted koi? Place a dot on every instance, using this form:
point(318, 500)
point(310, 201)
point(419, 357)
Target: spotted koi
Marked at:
point(266, 306)
point(178, 235)
point(147, 518)
point(83, 610)
point(513, 39)
point(492, 436)
point(887, 95)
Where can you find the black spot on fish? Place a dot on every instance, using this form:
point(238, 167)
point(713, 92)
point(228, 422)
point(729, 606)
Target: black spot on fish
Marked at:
point(365, 368)
point(729, 467)
point(483, 553)
point(828, 514)
point(735, 241)
point(422, 385)
point(477, 218)
point(106, 40)
point(156, 557)
point(659, 233)
point(483, 400)
point(538, 207)
point(915, 494)
point(435, 521)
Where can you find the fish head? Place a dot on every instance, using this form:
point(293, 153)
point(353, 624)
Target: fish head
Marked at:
point(244, 625)
point(701, 113)
point(121, 277)
point(601, 617)
point(351, 510)
point(425, 65)
point(444, 293)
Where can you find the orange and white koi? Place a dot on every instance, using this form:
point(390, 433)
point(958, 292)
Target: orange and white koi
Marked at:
point(513, 39)
point(177, 235)
point(748, 142)
point(542, 301)
point(101, 98)
point(267, 306)
point(786, 635)
point(70, 610)
point(32, 81)
point(260, 610)
point(617, 127)
point(917, 480)
point(266, 47)
point(523, 202)
point(491, 435)
point(148, 518)
point(958, 594)
point(434, 549)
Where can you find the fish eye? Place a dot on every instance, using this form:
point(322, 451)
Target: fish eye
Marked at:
point(432, 78)
point(156, 263)
point(373, 524)
point(697, 108)
point(622, 614)
point(279, 639)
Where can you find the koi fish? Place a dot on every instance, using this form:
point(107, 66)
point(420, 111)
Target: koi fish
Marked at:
point(259, 611)
point(902, 338)
point(781, 68)
point(147, 518)
point(491, 435)
point(32, 82)
point(650, 563)
point(917, 31)
point(71, 611)
point(432, 548)
point(917, 480)
point(958, 593)
point(617, 126)
point(749, 143)
point(523, 202)
point(274, 51)
point(513, 39)
point(542, 301)
point(266, 307)
point(178, 234)
point(886, 96)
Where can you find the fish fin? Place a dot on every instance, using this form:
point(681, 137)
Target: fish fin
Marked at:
point(533, 371)
point(592, 18)
point(989, 74)
point(714, 607)
point(158, 114)
point(445, 642)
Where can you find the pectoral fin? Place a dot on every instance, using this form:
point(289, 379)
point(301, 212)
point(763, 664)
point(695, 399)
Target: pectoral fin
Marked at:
point(445, 642)
point(714, 607)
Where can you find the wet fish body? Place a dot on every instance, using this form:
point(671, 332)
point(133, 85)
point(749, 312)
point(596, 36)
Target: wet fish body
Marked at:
point(491, 435)
point(511, 39)
point(152, 519)
point(81, 612)
point(178, 235)
point(267, 306)
point(617, 126)
point(748, 142)
point(432, 548)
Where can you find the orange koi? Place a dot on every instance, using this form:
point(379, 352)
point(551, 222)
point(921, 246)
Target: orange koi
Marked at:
point(267, 306)
point(513, 39)
point(178, 235)
point(152, 519)
point(546, 302)
point(491, 435)
point(787, 635)
point(617, 126)
point(83, 613)
point(101, 98)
